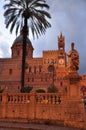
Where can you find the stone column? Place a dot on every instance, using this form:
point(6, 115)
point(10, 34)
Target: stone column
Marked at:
point(4, 105)
point(33, 105)
point(4, 98)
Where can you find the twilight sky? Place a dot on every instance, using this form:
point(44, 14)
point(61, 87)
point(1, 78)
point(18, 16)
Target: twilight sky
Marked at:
point(68, 17)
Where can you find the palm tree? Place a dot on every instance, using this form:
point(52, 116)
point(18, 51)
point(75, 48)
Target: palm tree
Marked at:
point(28, 15)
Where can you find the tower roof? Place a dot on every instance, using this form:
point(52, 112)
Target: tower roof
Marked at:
point(19, 39)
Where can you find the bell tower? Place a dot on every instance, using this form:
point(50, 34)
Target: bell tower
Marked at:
point(61, 43)
point(61, 51)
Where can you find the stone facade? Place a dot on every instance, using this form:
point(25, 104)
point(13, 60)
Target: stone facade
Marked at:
point(52, 69)
point(55, 68)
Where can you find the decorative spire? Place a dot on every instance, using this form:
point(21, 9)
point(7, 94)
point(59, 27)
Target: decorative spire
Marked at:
point(72, 46)
point(61, 35)
point(61, 42)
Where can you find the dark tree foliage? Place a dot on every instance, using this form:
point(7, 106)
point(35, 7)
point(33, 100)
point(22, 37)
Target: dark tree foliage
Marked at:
point(40, 90)
point(26, 89)
point(1, 90)
point(52, 89)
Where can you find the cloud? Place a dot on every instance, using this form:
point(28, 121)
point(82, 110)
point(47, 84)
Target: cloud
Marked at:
point(4, 46)
point(68, 17)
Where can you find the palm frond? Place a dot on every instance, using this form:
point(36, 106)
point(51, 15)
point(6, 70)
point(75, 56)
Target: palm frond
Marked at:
point(14, 10)
point(17, 28)
point(13, 24)
point(37, 5)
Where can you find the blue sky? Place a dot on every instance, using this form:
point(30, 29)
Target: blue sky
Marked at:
point(68, 17)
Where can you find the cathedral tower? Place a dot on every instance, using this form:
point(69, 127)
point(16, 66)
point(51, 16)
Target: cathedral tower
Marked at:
point(17, 48)
point(61, 51)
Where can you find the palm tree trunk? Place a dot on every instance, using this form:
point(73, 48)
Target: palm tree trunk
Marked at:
point(25, 32)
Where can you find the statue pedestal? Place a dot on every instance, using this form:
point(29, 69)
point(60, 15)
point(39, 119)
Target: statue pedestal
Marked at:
point(74, 80)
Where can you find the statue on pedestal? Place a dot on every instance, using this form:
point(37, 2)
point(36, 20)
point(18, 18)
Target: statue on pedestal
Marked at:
point(73, 59)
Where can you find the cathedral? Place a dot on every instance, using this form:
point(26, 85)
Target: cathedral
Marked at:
point(55, 68)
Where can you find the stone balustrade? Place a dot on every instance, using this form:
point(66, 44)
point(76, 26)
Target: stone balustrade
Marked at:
point(38, 98)
point(14, 98)
point(46, 106)
point(48, 98)
point(19, 98)
point(42, 98)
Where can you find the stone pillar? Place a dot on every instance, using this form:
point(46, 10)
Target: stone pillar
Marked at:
point(74, 87)
point(84, 118)
point(33, 105)
point(4, 104)
point(4, 98)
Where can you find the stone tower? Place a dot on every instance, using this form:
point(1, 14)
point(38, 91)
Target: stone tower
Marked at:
point(61, 51)
point(17, 47)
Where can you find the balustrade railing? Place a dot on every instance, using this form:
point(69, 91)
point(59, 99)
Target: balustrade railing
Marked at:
point(19, 98)
point(39, 98)
point(48, 98)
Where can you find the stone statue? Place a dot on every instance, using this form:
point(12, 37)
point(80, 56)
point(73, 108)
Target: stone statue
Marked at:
point(73, 59)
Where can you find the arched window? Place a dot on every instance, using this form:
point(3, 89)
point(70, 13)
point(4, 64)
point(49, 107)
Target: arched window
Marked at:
point(35, 69)
point(10, 71)
point(29, 69)
point(40, 69)
point(18, 53)
point(60, 83)
point(32, 79)
point(28, 79)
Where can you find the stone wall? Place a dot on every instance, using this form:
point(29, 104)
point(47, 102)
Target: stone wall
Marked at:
point(42, 107)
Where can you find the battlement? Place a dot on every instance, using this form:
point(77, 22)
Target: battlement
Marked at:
point(49, 51)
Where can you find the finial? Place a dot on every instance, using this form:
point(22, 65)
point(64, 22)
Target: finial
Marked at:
point(72, 46)
point(61, 34)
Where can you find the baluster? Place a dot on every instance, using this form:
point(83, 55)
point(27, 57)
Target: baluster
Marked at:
point(24, 98)
point(46, 99)
point(18, 98)
point(52, 99)
point(39, 99)
point(36, 99)
point(8, 98)
point(56, 99)
point(12, 98)
point(43, 99)
point(1, 98)
point(49, 99)
point(27, 98)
